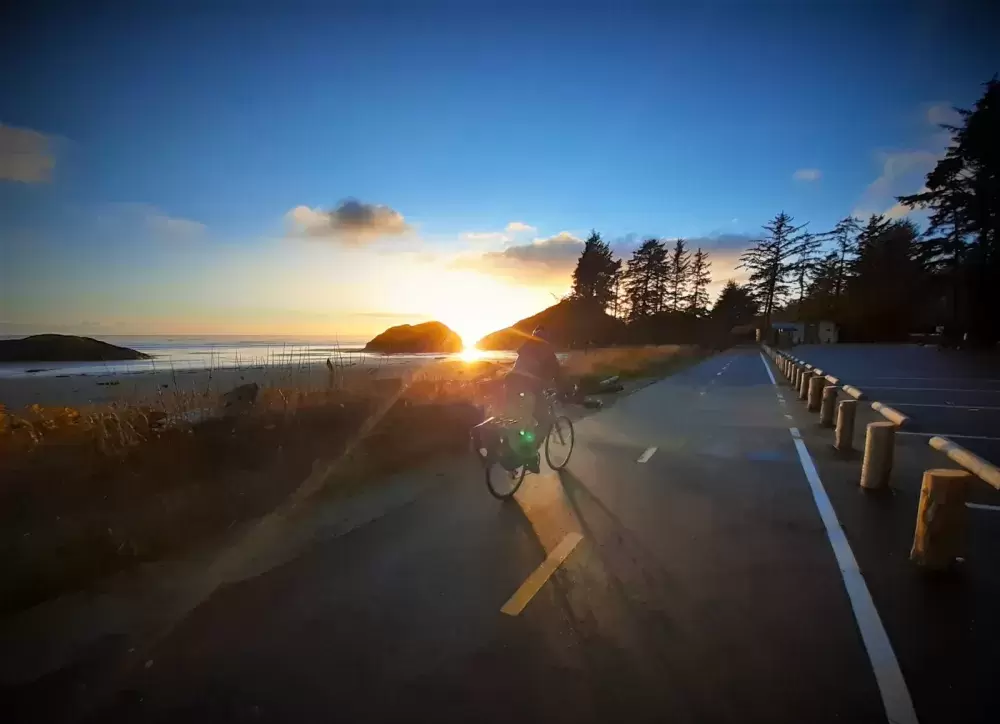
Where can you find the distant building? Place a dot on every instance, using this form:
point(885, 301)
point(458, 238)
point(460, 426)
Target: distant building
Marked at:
point(790, 333)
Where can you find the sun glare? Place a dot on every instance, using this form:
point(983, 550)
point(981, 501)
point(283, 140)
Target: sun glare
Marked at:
point(470, 354)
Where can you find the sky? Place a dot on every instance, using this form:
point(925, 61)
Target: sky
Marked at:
point(332, 169)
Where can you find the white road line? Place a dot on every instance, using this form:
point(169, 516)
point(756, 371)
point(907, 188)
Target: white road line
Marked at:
point(950, 407)
point(767, 367)
point(891, 685)
point(946, 434)
point(982, 506)
point(646, 455)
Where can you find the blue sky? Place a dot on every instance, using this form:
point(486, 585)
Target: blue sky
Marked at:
point(151, 160)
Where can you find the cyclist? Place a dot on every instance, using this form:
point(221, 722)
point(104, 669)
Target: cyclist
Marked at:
point(535, 369)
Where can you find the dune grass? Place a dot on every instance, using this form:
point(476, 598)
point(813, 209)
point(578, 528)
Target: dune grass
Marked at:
point(88, 491)
point(629, 362)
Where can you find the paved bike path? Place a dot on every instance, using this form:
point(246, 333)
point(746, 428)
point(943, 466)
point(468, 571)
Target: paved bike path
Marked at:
point(704, 588)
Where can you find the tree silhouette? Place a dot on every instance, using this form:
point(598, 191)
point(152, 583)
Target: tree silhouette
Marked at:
point(805, 264)
point(596, 272)
point(643, 279)
point(736, 305)
point(677, 276)
point(886, 282)
point(771, 260)
point(963, 193)
point(845, 239)
point(700, 278)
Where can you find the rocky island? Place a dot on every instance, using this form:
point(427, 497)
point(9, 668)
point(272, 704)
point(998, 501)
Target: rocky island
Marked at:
point(64, 348)
point(429, 337)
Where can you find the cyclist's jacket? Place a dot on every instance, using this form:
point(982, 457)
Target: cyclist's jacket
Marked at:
point(537, 359)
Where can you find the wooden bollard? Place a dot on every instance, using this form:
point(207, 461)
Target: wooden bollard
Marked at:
point(827, 405)
point(877, 464)
point(939, 537)
point(804, 384)
point(815, 393)
point(844, 435)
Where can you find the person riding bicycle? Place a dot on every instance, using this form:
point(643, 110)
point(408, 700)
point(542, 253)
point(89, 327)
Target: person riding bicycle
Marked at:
point(535, 370)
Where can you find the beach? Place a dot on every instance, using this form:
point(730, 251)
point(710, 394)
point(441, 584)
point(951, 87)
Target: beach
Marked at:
point(99, 386)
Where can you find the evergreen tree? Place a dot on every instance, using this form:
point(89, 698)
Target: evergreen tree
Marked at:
point(883, 292)
point(771, 260)
point(822, 297)
point(963, 193)
point(736, 305)
point(596, 272)
point(643, 279)
point(677, 276)
point(805, 264)
point(845, 239)
point(700, 278)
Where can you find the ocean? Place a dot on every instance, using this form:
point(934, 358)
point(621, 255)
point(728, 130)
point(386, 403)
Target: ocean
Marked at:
point(205, 352)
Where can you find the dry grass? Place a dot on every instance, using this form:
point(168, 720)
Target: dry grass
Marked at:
point(629, 362)
point(85, 492)
point(88, 491)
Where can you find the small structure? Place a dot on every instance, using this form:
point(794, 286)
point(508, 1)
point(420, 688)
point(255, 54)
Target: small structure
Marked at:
point(786, 334)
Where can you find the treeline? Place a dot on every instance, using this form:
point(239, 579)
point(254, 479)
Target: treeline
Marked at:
point(878, 279)
point(881, 279)
point(660, 293)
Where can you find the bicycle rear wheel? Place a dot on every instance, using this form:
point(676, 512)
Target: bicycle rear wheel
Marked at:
point(559, 443)
point(503, 483)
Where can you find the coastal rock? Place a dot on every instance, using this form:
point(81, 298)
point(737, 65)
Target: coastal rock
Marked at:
point(433, 337)
point(570, 324)
point(64, 348)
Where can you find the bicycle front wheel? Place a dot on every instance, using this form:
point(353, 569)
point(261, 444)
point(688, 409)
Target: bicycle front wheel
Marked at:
point(559, 443)
point(503, 483)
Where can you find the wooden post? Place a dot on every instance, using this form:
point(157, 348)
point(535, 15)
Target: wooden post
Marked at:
point(815, 394)
point(827, 405)
point(877, 464)
point(804, 384)
point(939, 537)
point(844, 435)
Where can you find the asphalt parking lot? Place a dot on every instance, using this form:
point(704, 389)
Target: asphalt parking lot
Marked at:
point(953, 394)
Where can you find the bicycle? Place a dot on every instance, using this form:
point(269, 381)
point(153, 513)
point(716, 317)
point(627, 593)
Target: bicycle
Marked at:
point(504, 444)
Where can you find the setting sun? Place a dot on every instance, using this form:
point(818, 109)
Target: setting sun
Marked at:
point(470, 303)
point(471, 354)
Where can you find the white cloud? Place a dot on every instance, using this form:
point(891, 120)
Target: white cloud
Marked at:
point(807, 174)
point(176, 227)
point(516, 227)
point(147, 220)
point(352, 222)
point(897, 211)
point(25, 155)
point(902, 171)
point(943, 113)
point(485, 237)
point(550, 260)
